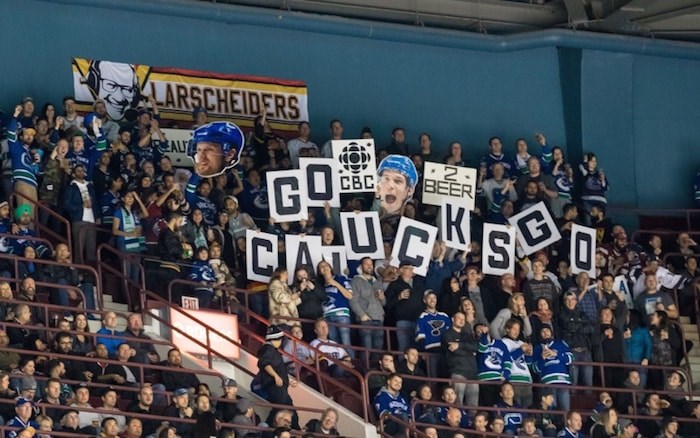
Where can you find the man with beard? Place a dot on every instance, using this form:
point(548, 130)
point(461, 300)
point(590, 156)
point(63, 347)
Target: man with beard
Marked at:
point(25, 162)
point(110, 127)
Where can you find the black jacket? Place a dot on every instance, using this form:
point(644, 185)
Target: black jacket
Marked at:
point(405, 310)
point(462, 361)
point(575, 328)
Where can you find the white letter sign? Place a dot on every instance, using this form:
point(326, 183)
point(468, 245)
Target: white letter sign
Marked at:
point(454, 224)
point(444, 180)
point(302, 250)
point(536, 228)
point(261, 254)
point(414, 243)
point(582, 250)
point(498, 249)
point(362, 235)
point(287, 195)
point(336, 256)
point(357, 166)
point(322, 181)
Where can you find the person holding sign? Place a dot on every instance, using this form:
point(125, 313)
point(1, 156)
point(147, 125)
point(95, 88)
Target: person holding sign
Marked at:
point(397, 179)
point(215, 148)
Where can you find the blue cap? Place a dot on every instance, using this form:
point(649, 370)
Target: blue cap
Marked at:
point(181, 391)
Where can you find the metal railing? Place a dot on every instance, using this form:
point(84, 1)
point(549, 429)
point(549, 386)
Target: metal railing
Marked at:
point(89, 269)
point(42, 229)
point(323, 379)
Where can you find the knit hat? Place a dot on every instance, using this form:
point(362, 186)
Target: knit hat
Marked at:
point(243, 405)
point(273, 332)
point(28, 384)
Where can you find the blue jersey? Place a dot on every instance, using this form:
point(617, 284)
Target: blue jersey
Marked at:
point(493, 359)
point(18, 244)
point(202, 272)
point(108, 204)
point(429, 329)
point(385, 402)
point(89, 155)
point(556, 368)
point(23, 166)
point(153, 152)
point(491, 159)
point(337, 304)
point(199, 202)
point(512, 418)
point(696, 188)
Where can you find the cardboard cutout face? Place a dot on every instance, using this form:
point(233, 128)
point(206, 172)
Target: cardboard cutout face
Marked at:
point(396, 181)
point(215, 148)
point(114, 83)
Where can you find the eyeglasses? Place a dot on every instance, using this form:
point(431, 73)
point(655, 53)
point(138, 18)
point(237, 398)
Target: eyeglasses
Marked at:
point(111, 87)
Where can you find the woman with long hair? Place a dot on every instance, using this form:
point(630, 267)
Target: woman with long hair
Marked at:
point(82, 342)
point(516, 310)
point(609, 343)
point(541, 317)
point(637, 342)
point(664, 343)
point(426, 413)
point(126, 227)
point(454, 156)
point(313, 295)
point(606, 426)
point(282, 301)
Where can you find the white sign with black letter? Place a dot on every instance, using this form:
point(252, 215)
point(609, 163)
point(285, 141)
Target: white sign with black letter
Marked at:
point(177, 142)
point(414, 243)
point(357, 167)
point(446, 181)
point(336, 256)
point(536, 228)
point(362, 235)
point(498, 249)
point(454, 224)
point(261, 254)
point(302, 250)
point(287, 195)
point(582, 250)
point(322, 181)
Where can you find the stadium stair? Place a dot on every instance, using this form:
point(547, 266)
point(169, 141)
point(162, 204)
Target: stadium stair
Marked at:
point(303, 395)
point(693, 359)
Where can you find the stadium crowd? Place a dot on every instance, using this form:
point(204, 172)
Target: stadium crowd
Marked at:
point(492, 336)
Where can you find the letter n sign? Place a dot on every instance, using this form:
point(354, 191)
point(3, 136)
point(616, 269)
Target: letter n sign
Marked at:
point(498, 249)
point(536, 228)
point(582, 250)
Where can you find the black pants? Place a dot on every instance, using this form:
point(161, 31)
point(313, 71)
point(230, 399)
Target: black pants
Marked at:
point(279, 395)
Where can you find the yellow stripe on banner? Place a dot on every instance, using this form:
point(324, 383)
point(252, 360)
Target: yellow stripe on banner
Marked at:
point(225, 83)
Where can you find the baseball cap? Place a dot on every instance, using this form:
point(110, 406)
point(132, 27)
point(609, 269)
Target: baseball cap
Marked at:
point(181, 391)
point(232, 198)
point(27, 99)
point(405, 263)
point(230, 382)
point(21, 401)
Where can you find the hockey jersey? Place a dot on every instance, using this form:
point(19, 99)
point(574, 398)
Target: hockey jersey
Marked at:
point(554, 369)
point(337, 304)
point(512, 418)
point(493, 359)
point(429, 329)
point(23, 166)
point(386, 402)
point(491, 159)
point(519, 371)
